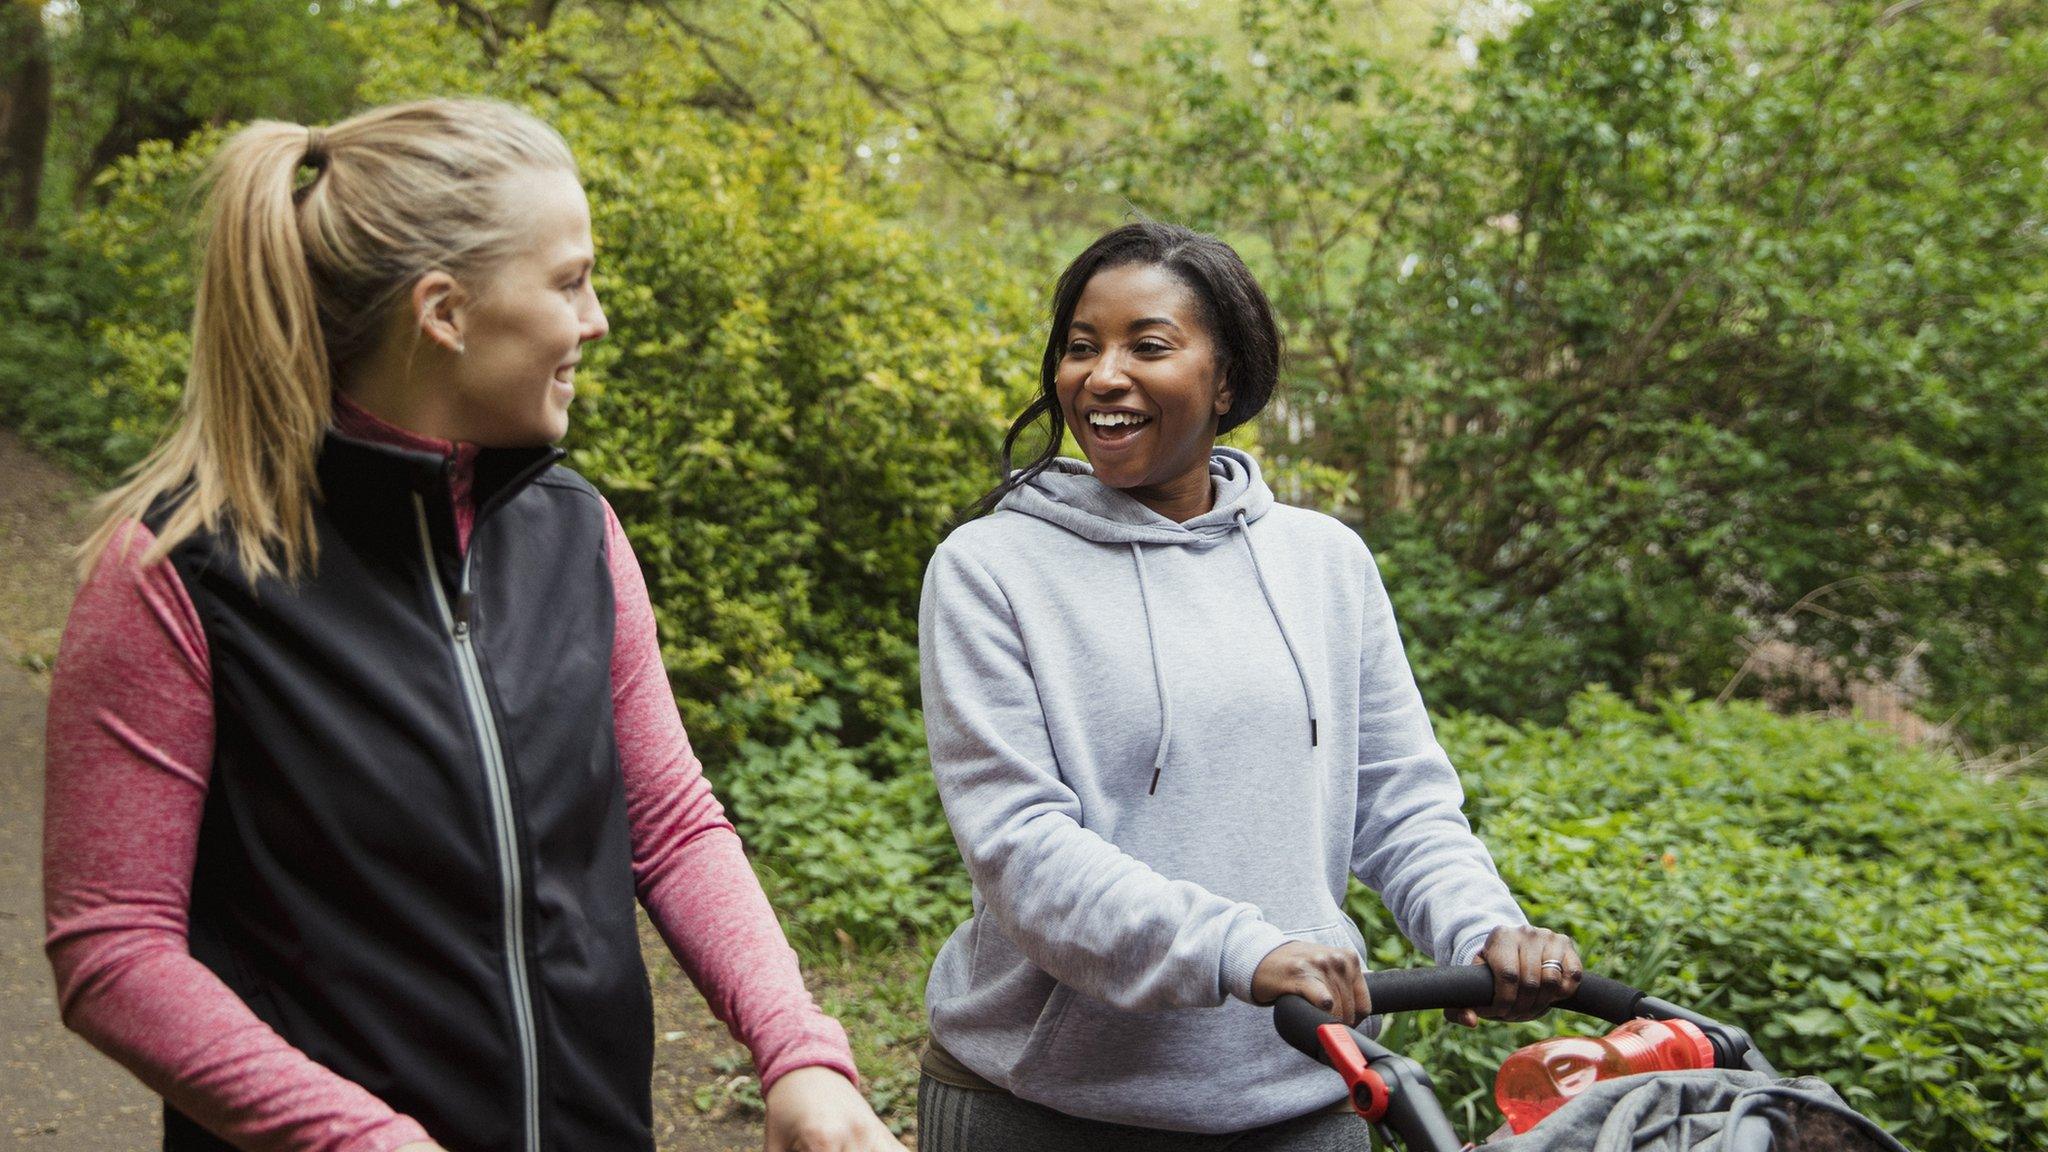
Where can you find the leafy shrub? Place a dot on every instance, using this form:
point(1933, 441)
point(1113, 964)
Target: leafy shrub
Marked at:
point(1869, 913)
point(797, 396)
point(1656, 319)
point(851, 844)
point(76, 377)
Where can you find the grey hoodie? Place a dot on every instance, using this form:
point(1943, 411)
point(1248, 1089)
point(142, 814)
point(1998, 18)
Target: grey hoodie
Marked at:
point(1163, 747)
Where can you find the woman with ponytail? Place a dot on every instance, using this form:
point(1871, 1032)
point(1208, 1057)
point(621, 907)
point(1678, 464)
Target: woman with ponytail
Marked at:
point(360, 744)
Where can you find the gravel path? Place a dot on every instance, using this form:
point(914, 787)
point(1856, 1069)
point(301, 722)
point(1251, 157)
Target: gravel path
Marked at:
point(59, 1095)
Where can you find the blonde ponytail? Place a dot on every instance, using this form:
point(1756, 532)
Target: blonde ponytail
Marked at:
point(295, 280)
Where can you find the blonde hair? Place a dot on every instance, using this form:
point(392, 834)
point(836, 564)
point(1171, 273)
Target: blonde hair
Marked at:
point(296, 281)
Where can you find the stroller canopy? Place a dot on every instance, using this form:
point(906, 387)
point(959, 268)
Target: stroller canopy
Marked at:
point(1704, 1111)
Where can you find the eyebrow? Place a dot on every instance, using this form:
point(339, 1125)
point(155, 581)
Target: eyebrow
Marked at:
point(1147, 322)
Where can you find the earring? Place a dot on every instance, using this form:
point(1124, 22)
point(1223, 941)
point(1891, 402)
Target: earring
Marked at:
point(460, 348)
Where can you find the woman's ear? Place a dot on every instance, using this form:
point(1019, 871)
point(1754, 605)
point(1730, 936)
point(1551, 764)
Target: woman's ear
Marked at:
point(1225, 398)
point(437, 308)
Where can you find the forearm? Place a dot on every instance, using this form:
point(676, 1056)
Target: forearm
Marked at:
point(692, 874)
point(709, 908)
point(1104, 923)
point(142, 999)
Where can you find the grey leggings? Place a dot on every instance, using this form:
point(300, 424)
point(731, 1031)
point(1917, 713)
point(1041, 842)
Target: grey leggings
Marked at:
point(951, 1119)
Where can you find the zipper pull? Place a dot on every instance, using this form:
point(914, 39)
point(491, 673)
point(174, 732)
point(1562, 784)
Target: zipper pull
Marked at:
point(463, 600)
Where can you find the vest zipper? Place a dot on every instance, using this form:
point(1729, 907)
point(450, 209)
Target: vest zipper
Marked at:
point(511, 884)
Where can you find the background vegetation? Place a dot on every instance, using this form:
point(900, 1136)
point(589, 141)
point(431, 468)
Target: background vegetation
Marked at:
point(1643, 339)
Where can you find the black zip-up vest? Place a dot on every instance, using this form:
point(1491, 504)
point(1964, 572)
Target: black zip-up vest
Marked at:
point(414, 860)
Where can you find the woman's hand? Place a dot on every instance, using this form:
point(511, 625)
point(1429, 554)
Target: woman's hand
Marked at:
point(1329, 978)
point(1533, 968)
point(817, 1110)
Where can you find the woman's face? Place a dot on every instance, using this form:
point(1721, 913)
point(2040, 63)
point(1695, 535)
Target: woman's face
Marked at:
point(523, 333)
point(1138, 383)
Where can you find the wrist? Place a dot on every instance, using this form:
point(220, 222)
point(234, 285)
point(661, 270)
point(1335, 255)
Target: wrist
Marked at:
point(1249, 941)
point(799, 1074)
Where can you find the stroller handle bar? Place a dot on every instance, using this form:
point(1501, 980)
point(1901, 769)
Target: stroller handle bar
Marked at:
point(1471, 986)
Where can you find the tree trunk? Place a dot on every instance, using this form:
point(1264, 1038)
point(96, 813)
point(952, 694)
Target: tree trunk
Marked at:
point(138, 119)
point(24, 112)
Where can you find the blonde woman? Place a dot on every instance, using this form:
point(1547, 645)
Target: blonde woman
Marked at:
point(360, 746)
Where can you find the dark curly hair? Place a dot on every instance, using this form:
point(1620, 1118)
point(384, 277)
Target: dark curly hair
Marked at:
point(1239, 318)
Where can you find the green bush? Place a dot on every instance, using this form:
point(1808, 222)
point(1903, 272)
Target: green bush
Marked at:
point(1654, 320)
point(851, 844)
point(798, 394)
point(1870, 913)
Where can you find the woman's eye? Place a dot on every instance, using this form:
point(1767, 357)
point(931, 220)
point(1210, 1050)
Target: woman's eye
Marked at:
point(1079, 348)
point(1152, 348)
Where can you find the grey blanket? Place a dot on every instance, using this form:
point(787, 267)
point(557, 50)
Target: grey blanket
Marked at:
point(1703, 1111)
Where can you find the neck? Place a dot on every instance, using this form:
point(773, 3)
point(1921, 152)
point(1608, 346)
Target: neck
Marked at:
point(1182, 498)
point(392, 391)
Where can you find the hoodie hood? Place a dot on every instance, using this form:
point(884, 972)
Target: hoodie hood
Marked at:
point(1067, 493)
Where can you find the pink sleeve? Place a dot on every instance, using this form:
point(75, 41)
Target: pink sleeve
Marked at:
point(129, 752)
point(692, 874)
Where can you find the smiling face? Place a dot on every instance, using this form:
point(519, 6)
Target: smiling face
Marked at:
point(522, 334)
point(1140, 388)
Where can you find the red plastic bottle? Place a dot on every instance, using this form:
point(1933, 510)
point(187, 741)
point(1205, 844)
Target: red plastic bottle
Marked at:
point(1537, 1080)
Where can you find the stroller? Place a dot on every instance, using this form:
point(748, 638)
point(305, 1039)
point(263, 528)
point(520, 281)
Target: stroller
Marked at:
point(1739, 1105)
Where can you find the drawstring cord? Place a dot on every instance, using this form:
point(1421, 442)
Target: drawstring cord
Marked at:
point(1158, 669)
point(1307, 695)
point(1159, 666)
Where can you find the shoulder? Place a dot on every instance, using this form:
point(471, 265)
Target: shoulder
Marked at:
point(1318, 532)
point(994, 540)
point(575, 504)
point(568, 481)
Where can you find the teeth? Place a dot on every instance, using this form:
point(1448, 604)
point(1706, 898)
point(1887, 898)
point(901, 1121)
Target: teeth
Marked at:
point(1115, 419)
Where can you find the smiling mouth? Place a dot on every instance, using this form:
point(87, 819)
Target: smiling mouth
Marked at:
point(1116, 427)
point(566, 374)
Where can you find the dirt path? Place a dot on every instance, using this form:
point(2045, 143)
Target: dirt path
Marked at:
point(59, 1095)
point(55, 1092)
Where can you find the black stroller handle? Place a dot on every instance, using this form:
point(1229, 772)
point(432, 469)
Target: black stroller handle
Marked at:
point(1471, 986)
point(1462, 986)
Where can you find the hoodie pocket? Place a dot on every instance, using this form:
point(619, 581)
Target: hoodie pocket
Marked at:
point(1092, 1059)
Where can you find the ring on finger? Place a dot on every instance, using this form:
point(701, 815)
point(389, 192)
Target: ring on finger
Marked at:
point(1552, 966)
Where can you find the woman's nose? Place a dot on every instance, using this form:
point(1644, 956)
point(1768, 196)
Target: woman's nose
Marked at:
point(595, 325)
point(1108, 374)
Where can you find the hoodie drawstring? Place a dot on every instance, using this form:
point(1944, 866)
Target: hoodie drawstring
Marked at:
point(1307, 695)
point(1159, 666)
point(1158, 669)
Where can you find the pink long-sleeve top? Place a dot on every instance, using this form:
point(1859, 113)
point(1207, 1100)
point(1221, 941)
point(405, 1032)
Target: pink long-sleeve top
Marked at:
point(129, 752)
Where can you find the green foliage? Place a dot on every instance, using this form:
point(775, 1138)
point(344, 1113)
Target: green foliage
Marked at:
point(129, 72)
point(1617, 342)
point(95, 371)
point(851, 844)
point(1869, 913)
point(1656, 320)
point(799, 396)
